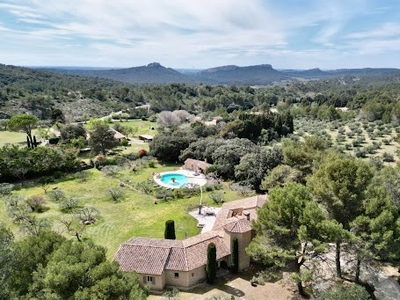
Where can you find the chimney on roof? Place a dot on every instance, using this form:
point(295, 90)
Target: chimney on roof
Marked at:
point(247, 214)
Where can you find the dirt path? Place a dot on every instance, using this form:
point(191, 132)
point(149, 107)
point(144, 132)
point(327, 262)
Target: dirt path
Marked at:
point(240, 288)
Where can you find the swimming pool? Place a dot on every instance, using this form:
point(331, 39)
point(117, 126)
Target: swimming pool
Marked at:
point(179, 179)
point(174, 179)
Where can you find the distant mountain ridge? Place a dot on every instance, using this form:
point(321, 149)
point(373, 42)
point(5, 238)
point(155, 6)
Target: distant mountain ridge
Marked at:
point(152, 73)
point(264, 74)
point(250, 75)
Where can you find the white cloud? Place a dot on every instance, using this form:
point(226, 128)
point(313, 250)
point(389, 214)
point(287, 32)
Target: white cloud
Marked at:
point(182, 33)
point(385, 30)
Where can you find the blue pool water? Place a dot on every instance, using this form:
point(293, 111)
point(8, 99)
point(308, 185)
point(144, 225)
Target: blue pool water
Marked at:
point(178, 181)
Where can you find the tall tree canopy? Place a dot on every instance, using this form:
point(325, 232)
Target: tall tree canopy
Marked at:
point(340, 183)
point(227, 156)
point(102, 138)
point(23, 122)
point(254, 166)
point(48, 266)
point(290, 227)
point(168, 145)
point(378, 227)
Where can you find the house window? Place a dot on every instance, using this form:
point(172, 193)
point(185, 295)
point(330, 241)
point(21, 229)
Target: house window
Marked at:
point(176, 275)
point(192, 274)
point(150, 279)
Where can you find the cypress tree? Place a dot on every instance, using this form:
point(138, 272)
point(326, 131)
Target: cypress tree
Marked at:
point(169, 232)
point(235, 255)
point(211, 267)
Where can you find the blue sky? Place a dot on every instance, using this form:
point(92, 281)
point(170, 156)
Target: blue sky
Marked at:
point(299, 34)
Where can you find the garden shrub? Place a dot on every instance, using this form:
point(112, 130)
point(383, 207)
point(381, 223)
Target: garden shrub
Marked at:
point(387, 157)
point(141, 153)
point(68, 204)
point(6, 188)
point(348, 146)
point(169, 232)
point(360, 152)
point(217, 197)
point(340, 138)
point(82, 176)
point(208, 187)
point(132, 156)
point(56, 195)
point(36, 203)
point(377, 162)
point(387, 141)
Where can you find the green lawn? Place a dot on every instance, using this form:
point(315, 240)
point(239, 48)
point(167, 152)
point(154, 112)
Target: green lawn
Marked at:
point(11, 137)
point(136, 214)
point(144, 127)
point(15, 137)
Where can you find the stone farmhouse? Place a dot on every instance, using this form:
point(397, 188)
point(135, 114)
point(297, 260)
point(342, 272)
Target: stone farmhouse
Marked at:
point(195, 165)
point(164, 263)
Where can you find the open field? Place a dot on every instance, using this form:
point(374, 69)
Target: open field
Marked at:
point(12, 137)
point(144, 127)
point(135, 215)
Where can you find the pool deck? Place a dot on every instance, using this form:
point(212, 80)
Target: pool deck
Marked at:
point(193, 178)
point(207, 217)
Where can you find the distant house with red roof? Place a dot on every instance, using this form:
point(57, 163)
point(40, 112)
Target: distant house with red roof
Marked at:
point(181, 263)
point(195, 165)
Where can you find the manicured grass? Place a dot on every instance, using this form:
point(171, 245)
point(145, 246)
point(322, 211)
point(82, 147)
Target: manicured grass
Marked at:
point(135, 215)
point(15, 137)
point(144, 127)
point(12, 137)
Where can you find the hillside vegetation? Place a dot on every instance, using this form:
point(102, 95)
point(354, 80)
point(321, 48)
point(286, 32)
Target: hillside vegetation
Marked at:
point(325, 151)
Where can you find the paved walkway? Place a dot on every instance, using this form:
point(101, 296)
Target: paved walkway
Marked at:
point(205, 217)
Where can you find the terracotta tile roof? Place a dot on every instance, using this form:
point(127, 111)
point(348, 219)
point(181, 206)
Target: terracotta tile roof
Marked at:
point(117, 135)
point(177, 260)
point(142, 259)
point(239, 226)
point(196, 248)
point(152, 256)
point(247, 205)
point(199, 163)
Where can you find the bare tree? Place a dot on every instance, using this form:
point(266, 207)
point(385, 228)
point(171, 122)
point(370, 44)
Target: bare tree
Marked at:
point(33, 226)
point(87, 215)
point(73, 226)
point(45, 186)
point(183, 115)
point(17, 208)
point(167, 119)
point(36, 203)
